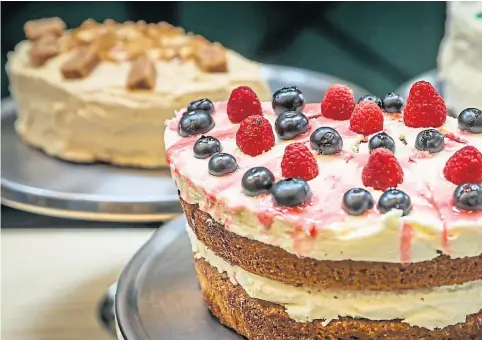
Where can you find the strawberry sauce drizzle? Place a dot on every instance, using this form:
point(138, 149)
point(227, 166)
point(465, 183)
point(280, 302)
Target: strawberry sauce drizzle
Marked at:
point(325, 206)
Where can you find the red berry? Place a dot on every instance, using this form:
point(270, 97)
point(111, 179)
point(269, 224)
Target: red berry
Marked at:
point(382, 170)
point(243, 102)
point(367, 118)
point(425, 107)
point(338, 103)
point(298, 162)
point(465, 166)
point(255, 135)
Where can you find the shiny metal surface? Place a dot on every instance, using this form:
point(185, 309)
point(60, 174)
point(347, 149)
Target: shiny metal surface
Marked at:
point(34, 182)
point(158, 295)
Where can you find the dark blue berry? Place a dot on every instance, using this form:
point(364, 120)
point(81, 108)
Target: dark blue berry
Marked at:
point(381, 140)
point(395, 199)
point(326, 140)
point(470, 120)
point(222, 164)
point(206, 146)
point(430, 140)
point(468, 196)
point(291, 124)
point(291, 192)
point(257, 181)
point(203, 104)
point(288, 99)
point(356, 201)
point(393, 103)
point(195, 122)
point(370, 98)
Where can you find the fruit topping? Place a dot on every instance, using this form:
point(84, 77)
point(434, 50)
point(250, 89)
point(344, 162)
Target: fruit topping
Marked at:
point(203, 104)
point(298, 161)
point(430, 140)
point(468, 196)
point(356, 201)
point(326, 140)
point(367, 118)
point(206, 146)
point(243, 102)
point(370, 98)
point(392, 103)
point(291, 124)
point(394, 199)
point(258, 180)
point(291, 192)
point(255, 135)
point(222, 164)
point(470, 120)
point(425, 107)
point(338, 103)
point(288, 99)
point(382, 170)
point(464, 166)
point(381, 140)
point(194, 123)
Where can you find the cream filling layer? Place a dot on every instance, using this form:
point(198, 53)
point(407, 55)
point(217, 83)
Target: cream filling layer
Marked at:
point(431, 308)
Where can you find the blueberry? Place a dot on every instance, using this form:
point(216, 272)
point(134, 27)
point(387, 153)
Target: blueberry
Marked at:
point(468, 196)
point(203, 104)
point(195, 122)
point(393, 103)
point(257, 181)
point(288, 99)
point(381, 140)
point(291, 192)
point(430, 140)
point(370, 98)
point(326, 140)
point(291, 124)
point(470, 120)
point(222, 164)
point(206, 146)
point(394, 199)
point(356, 201)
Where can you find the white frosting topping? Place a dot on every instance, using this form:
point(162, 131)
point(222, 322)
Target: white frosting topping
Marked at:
point(460, 57)
point(430, 308)
point(322, 230)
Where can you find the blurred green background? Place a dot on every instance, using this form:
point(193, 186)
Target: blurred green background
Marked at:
point(377, 45)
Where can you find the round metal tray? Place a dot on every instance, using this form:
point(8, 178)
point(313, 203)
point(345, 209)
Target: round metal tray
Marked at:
point(158, 296)
point(35, 182)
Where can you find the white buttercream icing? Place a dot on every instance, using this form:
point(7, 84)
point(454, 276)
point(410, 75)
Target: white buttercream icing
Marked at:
point(429, 308)
point(323, 231)
point(460, 56)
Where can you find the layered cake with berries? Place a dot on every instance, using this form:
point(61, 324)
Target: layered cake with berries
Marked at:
point(334, 220)
point(460, 56)
point(102, 91)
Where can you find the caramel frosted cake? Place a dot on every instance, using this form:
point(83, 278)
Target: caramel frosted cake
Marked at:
point(334, 221)
point(102, 91)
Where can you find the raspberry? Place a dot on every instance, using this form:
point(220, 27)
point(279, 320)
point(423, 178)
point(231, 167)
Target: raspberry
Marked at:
point(465, 166)
point(298, 162)
point(255, 135)
point(243, 102)
point(382, 170)
point(367, 118)
point(338, 103)
point(425, 107)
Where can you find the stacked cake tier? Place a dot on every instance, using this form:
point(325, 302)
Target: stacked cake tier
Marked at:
point(334, 220)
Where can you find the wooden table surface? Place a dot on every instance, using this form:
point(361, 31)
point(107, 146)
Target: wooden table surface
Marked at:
point(54, 273)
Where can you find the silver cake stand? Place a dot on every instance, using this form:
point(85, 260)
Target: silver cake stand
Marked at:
point(34, 182)
point(158, 296)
